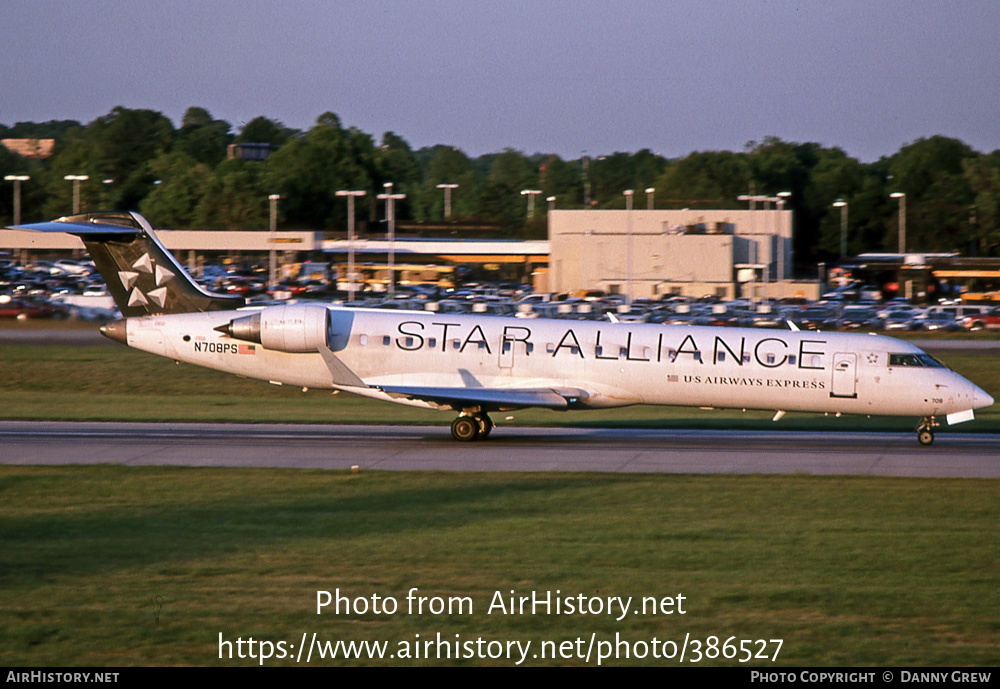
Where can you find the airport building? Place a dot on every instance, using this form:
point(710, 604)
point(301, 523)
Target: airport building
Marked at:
point(694, 253)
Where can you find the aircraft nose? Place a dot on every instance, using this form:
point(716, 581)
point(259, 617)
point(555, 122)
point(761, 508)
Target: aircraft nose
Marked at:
point(981, 399)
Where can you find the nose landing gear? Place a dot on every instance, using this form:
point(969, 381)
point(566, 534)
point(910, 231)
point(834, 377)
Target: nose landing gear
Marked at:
point(925, 431)
point(468, 427)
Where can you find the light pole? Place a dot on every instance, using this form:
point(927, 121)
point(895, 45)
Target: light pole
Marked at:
point(447, 198)
point(902, 219)
point(272, 273)
point(650, 204)
point(531, 194)
point(17, 179)
point(842, 205)
point(783, 196)
point(76, 179)
point(390, 200)
point(628, 193)
point(351, 195)
point(107, 185)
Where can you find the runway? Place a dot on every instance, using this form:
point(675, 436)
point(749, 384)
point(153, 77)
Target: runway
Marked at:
point(430, 448)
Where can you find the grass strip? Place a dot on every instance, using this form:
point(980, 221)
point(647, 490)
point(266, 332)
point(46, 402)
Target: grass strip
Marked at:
point(116, 565)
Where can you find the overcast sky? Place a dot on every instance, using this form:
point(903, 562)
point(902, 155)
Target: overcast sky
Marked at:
point(566, 77)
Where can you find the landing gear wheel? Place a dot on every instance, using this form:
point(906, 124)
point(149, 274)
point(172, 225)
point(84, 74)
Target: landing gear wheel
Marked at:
point(925, 431)
point(485, 426)
point(465, 428)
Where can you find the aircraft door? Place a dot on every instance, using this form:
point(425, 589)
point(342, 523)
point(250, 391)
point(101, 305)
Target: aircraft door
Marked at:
point(845, 378)
point(512, 338)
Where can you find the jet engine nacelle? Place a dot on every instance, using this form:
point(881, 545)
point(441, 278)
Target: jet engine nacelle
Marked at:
point(296, 328)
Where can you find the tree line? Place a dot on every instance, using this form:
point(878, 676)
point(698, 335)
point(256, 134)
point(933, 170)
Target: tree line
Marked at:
point(181, 177)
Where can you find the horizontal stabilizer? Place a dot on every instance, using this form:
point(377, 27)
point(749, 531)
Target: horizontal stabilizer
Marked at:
point(490, 398)
point(83, 229)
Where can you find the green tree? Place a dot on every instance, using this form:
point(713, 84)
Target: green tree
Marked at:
point(932, 175)
point(176, 200)
point(983, 176)
point(703, 178)
point(235, 197)
point(500, 199)
point(71, 156)
point(308, 171)
point(203, 139)
point(835, 176)
point(396, 164)
point(261, 130)
point(564, 180)
point(123, 142)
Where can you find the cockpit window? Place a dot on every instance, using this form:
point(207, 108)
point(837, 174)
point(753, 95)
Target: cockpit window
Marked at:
point(923, 360)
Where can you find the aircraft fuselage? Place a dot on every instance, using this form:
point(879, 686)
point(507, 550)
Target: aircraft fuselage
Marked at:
point(610, 364)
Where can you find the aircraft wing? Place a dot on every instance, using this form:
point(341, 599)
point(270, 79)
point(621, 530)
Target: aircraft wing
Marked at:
point(491, 398)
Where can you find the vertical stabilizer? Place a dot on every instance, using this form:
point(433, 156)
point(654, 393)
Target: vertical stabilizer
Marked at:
point(141, 275)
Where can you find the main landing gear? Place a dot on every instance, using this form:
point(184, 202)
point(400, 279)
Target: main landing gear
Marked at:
point(925, 431)
point(469, 427)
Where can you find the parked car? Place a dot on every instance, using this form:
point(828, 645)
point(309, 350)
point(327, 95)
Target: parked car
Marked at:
point(816, 318)
point(983, 321)
point(22, 309)
point(938, 320)
point(899, 319)
point(855, 317)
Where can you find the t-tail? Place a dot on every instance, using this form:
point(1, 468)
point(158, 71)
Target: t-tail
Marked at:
point(142, 276)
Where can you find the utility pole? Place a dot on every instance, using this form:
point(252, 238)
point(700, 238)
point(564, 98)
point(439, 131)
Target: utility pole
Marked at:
point(272, 273)
point(390, 216)
point(447, 198)
point(76, 179)
point(351, 195)
point(628, 243)
point(17, 179)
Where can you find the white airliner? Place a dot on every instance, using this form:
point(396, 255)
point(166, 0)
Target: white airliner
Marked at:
point(476, 365)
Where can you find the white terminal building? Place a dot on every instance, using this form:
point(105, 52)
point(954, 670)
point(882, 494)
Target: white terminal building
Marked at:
point(693, 253)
